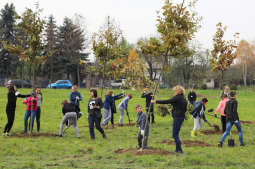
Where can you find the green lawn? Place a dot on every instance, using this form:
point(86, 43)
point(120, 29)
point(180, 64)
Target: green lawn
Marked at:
point(71, 152)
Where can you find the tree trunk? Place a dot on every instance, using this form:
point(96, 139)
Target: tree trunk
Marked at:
point(22, 74)
point(33, 76)
point(150, 71)
point(78, 75)
point(51, 69)
point(245, 74)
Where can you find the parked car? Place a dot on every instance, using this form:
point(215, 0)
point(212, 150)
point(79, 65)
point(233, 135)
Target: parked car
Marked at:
point(118, 83)
point(61, 84)
point(18, 83)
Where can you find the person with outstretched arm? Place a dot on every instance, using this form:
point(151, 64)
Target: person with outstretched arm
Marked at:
point(179, 104)
point(124, 106)
point(197, 113)
point(39, 104)
point(108, 107)
point(232, 119)
point(69, 117)
point(113, 108)
point(12, 96)
point(148, 96)
point(221, 107)
point(75, 98)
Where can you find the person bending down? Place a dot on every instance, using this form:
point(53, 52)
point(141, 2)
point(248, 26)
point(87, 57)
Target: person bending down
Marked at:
point(124, 106)
point(143, 131)
point(198, 113)
point(69, 118)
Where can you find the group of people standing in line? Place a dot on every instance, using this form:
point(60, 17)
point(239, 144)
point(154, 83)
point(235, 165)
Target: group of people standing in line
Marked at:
point(71, 112)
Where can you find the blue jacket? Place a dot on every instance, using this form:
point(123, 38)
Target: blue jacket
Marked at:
point(108, 102)
point(124, 103)
point(73, 98)
point(197, 110)
point(148, 99)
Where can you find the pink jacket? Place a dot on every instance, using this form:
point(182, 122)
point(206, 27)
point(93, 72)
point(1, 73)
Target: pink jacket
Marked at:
point(31, 104)
point(222, 106)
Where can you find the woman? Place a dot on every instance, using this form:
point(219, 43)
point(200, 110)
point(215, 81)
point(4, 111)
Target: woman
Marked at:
point(179, 104)
point(94, 114)
point(10, 107)
point(107, 107)
point(221, 107)
point(39, 104)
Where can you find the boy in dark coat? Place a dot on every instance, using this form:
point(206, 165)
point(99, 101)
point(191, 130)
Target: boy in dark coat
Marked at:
point(149, 95)
point(141, 123)
point(192, 97)
point(232, 119)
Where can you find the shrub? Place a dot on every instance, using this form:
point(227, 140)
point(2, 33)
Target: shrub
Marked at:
point(203, 87)
point(163, 110)
point(233, 87)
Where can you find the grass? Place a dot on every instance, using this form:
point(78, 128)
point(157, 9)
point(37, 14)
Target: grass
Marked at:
point(70, 152)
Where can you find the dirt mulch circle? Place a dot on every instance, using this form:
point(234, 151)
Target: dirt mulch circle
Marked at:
point(34, 135)
point(115, 126)
point(248, 122)
point(219, 132)
point(143, 152)
point(189, 143)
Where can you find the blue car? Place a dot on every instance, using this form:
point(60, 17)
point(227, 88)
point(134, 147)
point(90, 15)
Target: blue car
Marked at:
point(61, 84)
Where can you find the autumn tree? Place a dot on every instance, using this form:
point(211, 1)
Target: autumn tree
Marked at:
point(106, 46)
point(223, 53)
point(244, 51)
point(31, 49)
point(151, 50)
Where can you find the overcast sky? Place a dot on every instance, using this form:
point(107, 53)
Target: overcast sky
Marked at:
point(137, 18)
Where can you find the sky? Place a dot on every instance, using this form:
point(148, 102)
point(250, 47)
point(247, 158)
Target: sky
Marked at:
point(137, 18)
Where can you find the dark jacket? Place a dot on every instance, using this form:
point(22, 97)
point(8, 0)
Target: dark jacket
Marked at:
point(12, 98)
point(108, 102)
point(148, 100)
point(197, 111)
point(117, 97)
point(141, 122)
point(192, 96)
point(73, 99)
point(95, 111)
point(179, 104)
point(231, 110)
point(67, 108)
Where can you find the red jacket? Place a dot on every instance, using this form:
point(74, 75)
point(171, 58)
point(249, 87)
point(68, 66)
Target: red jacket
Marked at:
point(31, 103)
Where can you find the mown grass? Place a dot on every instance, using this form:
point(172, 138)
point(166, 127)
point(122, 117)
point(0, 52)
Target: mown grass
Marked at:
point(70, 152)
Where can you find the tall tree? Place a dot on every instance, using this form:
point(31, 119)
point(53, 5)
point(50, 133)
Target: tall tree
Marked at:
point(244, 51)
point(106, 45)
point(31, 49)
point(223, 53)
point(8, 31)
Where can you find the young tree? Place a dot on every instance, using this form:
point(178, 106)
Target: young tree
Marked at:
point(106, 46)
point(223, 53)
point(244, 51)
point(177, 25)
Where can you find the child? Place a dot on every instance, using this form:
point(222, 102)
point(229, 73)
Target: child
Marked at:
point(232, 119)
point(124, 106)
point(107, 107)
point(141, 123)
point(69, 118)
point(75, 98)
point(113, 108)
point(31, 108)
point(197, 114)
point(94, 114)
point(39, 104)
point(149, 95)
point(221, 107)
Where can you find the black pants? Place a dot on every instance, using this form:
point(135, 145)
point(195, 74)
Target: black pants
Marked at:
point(112, 119)
point(223, 123)
point(10, 116)
point(94, 121)
point(152, 115)
point(140, 139)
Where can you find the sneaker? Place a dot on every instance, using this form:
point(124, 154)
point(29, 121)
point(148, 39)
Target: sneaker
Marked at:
point(242, 144)
point(120, 125)
point(8, 134)
point(3, 134)
point(220, 144)
point(60, 135)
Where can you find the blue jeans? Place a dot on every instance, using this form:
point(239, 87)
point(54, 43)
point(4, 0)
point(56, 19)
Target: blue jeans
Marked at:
point(38, 115)
point(27, 115)
point(228, 128)
point(93, 120)
point(177, 123)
